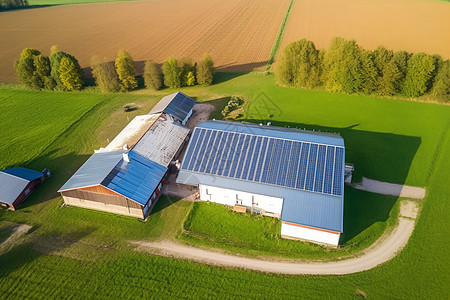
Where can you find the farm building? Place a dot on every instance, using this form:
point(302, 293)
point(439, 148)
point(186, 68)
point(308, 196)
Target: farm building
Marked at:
point(16, 184)
point(177, 105)
point(295, 175)
point(126, 176)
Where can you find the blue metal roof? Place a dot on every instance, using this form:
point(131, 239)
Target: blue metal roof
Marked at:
point(93, 171)
point(27, 174)
point(178, 105)
point(305, 168)
point(136, 179)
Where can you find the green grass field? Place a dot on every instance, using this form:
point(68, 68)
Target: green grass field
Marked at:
point(366, 217)
point(78, 253)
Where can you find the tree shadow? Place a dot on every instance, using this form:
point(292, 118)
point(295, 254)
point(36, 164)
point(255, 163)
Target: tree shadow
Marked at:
point(376, 155)
point(36, 246)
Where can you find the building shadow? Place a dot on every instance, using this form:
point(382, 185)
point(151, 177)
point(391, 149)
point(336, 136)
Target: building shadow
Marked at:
point(376, 155)
point(61, 168)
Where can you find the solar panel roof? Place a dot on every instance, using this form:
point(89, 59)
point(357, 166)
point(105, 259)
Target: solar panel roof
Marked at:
point(295, 160)
point(304, 168)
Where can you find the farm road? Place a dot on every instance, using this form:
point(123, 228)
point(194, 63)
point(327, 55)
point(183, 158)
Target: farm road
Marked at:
point(380, 252)
point(387, 188)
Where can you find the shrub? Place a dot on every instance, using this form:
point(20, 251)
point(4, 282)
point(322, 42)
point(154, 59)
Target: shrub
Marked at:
point(125, 71)
point(152, 75)
point(172, 73)
point(205, 70)
point(232, 105)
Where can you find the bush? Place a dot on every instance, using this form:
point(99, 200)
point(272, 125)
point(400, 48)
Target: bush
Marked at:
point(205, 70)
point(232, 105)
point(105, 75)
point(125, 71)
point(152, 75)
point(172, 73)
point(10, 4)
point(187, 75)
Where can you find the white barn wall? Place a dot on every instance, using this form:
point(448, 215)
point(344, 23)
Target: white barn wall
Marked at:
point(309, 234)
point(233, 197)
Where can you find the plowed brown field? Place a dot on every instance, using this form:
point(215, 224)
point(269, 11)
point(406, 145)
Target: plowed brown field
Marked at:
point(412, 25)
point(239, 34)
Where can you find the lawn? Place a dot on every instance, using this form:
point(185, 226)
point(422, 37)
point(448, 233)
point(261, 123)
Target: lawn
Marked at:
point(366, 217)
point(78, 253)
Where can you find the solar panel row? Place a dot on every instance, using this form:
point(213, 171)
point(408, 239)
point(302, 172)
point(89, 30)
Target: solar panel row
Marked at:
point(300, 165)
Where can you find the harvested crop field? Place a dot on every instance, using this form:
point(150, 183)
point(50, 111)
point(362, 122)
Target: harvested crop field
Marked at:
point(412, 25)
point(239, 34)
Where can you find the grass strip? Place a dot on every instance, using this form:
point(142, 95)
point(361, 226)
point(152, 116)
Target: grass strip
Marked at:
point(279, 36)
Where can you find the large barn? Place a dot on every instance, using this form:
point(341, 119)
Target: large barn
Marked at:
point(16, 184)
point(126, 177)
point(295, 175)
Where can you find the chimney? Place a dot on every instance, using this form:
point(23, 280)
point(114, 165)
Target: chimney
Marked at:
point(126, 157)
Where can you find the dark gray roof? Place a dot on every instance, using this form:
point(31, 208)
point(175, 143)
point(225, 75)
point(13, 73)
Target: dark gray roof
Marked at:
point(178, 105)
point(14, 181)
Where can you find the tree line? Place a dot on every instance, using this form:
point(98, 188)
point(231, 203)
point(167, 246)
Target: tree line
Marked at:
point(11, 4)
point(61, 71)
point(348, 68)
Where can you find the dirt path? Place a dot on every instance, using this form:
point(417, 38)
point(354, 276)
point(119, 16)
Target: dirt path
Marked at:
point(381, 251)
point(18, 232)
point(387, 188)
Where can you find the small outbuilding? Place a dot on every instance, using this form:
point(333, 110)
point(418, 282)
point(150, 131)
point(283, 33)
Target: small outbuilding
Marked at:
point(16, 184)
point(177, 105)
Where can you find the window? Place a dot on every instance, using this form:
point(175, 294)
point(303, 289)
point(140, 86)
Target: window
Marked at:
point(27, 192)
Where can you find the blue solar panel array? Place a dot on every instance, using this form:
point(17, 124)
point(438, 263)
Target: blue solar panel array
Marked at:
point(282, 162)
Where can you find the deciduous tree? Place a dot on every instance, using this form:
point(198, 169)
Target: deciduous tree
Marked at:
point(152, 75)
point(172, 73)
point(125, 70)
point(420, 69)
point(441, 86)
point(205, 70)
point(105, 75)
point(69, 74)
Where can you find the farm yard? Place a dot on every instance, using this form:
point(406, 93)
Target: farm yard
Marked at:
point(238, 34)
point(388, 23)
point(68, 239)
point(72, 252)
